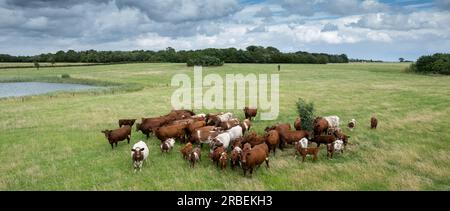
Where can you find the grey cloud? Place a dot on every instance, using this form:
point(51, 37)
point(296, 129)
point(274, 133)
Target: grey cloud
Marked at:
point(264, 12)
point(334, 7)
point(180, 11)
point(329, 27)
point(443, 4)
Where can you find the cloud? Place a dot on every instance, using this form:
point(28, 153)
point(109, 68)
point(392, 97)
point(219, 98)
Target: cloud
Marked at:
point(443, 4)
point(329, 27)
point(184, 10)
point(264, 12)
point(402, 22)
point(333, 7)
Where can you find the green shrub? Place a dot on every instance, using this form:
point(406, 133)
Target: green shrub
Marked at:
point(306, 112)
point(65, 76)
point(205, 61)
point(436, 64)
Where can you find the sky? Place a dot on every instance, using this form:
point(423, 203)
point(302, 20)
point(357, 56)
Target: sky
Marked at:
point(367, 29)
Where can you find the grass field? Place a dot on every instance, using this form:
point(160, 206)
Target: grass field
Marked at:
point(55, 143)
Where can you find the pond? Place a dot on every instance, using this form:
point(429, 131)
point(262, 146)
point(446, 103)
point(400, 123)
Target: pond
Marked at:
point(17, 89)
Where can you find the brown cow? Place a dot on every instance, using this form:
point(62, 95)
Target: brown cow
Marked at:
point(129, 122)
point(253, 139)
point(195, 156)
point(194, 125)
point(279, 128)
point(272, 139)
point(176, 131)
point(373, 123)
point(314, 151)
point(328, 139)
point(148, 125)
point(298, 124)
point(250, 112)
point(255, 157)
point(223, 160)
point(290, 137)
point(114, 136)
point(216, 154)
point(186, 150)
point(320, 126)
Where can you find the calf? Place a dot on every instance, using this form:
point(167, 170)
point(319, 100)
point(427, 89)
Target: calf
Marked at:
point(352, 124)
point(246, 125)
point(298, 124)
point(272, 139)
point(114, 136)
point(235, 157)
point(250, 112)
point(337, 146)
point(314, 151)
point(216, 154)
point(186, 150)
point(195, 156)
point(139, 154)
point(328, 139)
point(129, 122)
point(237, 142)
point(223, 160)
point(255, 157)
point(167, 145)
point(373, 123)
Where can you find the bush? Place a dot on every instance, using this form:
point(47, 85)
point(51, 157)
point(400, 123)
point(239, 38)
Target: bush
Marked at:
point(306, 112)
point(65, 76)
point(205, 61)
point(436, 64)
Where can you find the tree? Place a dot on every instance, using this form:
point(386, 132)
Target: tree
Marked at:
point(401, 59)
point(36, 65)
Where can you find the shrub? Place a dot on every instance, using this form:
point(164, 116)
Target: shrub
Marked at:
point(437, 64)
point(65, 76)
point(205, 61)
point(306, 112)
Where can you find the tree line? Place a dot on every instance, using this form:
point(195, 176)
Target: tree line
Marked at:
point(252, 54)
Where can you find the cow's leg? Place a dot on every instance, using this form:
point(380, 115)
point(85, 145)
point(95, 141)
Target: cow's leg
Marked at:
point(267, 163)
point(128, 139)
point(112, 145)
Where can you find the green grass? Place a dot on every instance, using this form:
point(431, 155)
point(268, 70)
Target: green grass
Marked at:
point(55, 143)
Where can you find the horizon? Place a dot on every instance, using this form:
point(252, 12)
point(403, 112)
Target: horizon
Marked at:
point(362, 29)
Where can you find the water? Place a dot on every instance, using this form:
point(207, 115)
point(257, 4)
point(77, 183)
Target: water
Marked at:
point(18, 89)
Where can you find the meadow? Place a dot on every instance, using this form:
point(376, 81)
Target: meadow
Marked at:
point(53, 141)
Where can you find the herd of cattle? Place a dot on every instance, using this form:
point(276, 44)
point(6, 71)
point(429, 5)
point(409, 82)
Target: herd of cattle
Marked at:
point(230, 139)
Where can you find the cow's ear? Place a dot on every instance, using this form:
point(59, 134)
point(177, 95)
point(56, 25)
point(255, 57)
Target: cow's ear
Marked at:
point(142, 149)
point(133, 150)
